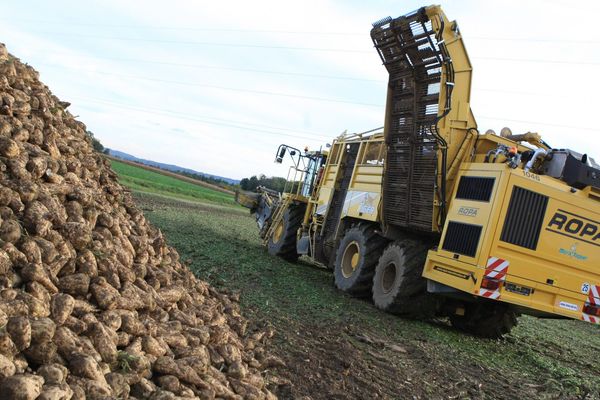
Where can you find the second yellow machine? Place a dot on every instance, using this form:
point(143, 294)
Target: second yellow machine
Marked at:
point(430, 217)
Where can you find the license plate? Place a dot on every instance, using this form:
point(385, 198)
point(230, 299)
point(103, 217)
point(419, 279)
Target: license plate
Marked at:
point(522, 290)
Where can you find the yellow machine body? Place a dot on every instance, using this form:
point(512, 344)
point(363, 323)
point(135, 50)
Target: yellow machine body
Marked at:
point(506, 226)
point(555, 278)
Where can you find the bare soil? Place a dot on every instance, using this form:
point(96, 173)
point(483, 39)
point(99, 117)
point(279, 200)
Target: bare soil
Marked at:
point(333, 362)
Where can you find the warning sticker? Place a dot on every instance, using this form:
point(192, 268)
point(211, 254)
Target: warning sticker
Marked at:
point(585, 288)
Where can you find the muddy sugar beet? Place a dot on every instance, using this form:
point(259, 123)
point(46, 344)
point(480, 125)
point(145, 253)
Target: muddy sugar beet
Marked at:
point(93, 303)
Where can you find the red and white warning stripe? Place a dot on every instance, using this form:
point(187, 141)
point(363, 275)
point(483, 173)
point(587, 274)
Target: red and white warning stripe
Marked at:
point(594, 295)
point(593, 299)
point(490, 294)
point(496, 268)
point(590, 318)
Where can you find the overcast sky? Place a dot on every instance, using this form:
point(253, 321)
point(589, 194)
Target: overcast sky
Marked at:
point(217, 86)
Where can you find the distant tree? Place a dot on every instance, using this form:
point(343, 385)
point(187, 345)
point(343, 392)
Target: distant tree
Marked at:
point(95, 142)
point(253, 183)
point(273, 182)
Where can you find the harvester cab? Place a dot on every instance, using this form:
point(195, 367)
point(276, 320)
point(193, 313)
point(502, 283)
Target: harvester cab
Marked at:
point(303, 173)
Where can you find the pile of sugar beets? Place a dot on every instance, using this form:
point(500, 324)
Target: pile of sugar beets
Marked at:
point(93, 303)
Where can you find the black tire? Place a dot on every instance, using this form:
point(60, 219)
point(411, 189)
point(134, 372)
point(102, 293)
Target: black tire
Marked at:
point(487, 320)
point(282, 242)
point(355, 260)
point(398, 286)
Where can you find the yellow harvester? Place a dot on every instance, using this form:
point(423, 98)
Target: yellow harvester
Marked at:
point(432, 217)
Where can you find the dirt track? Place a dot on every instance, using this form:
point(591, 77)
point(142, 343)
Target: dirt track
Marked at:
point(336, 363)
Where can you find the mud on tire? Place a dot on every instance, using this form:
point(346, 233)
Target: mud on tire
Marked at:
point(488, 320)
point(398, 286)
point(355, 260)
point(282, 242)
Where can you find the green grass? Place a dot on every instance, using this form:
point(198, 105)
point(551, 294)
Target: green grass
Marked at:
point(143, 180)
point(223, 247)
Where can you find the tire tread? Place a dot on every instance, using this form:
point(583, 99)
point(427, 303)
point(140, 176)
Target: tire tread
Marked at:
point(373, 243)
point(411, 299)
point(295, 215)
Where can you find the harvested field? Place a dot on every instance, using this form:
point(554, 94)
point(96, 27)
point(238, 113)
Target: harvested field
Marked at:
point(338, 347)
point(145, 180)
point(93, 303)
point(117, 161)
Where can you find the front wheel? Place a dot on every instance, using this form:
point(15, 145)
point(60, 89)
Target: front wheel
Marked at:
point(282, 242)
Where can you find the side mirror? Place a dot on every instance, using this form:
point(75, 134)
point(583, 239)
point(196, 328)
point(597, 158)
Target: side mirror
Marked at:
point(280, 156)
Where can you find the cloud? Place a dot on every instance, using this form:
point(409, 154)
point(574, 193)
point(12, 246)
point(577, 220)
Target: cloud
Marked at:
point(235, 133)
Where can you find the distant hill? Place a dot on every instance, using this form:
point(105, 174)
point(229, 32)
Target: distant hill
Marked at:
point(168, 167)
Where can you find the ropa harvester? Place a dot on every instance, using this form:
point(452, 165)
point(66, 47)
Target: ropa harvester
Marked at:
point(433, 218)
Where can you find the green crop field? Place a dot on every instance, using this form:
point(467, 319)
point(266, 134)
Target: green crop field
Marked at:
point(335, 346)
point(142, 180)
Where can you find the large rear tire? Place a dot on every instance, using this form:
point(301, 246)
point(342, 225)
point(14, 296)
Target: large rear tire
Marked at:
point(355, 260)
point(398, 286)
point(282, 242)
point(488, 320)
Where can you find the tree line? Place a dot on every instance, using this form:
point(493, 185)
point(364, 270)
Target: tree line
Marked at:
point(270, 182)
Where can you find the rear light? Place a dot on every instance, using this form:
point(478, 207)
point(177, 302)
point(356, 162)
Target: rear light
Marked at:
point(490, 284)
point(591, 309)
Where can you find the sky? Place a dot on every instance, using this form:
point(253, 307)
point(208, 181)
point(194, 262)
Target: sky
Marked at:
point(217, 86)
